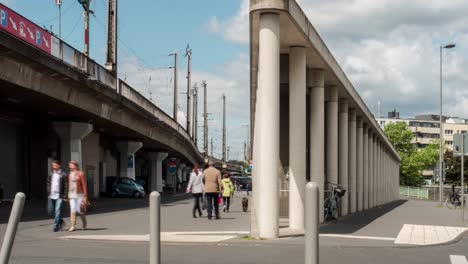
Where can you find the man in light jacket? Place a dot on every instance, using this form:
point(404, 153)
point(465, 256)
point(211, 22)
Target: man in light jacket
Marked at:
point(195, 186)
point(213, 187)
point(57, 190)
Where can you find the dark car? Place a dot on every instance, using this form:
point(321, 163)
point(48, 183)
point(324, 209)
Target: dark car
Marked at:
point(123, 186)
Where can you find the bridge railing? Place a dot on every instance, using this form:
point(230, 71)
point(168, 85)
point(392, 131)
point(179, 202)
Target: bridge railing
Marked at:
point(131, 94)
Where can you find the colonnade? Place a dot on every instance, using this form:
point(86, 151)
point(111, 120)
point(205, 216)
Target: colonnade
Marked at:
point(345, 146)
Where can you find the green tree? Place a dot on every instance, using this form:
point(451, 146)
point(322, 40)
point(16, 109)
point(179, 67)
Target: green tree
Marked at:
point(453, 168)
point(413, 161)
point(400, 136)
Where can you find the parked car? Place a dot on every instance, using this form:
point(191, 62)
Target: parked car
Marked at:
point(123, 186)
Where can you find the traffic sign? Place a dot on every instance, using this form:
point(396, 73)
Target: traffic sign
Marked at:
point(457, 142)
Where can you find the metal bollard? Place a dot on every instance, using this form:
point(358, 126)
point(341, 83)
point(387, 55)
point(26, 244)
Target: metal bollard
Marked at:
point(10, 232)
point(155, 228)
point(311, 223)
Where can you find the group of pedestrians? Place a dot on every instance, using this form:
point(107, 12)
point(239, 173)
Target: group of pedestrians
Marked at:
point(209, 183)
point(71, 188)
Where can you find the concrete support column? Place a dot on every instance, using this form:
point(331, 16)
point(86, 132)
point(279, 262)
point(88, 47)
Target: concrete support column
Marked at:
point(180, 172)
point(297, 136)
point(316, 83)
point(127, 151)
point(376, 169)
point(71, 134)
point(352, 160)
point(343, 154)
point(186, 174)
point(379, 171)
point(371, 168)
point(365, 145)
point(331, 160)
point(267, 127)
point(156, 159)
point(359, 164)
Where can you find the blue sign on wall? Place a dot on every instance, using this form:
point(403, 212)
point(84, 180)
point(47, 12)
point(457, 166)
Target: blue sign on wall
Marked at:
point(3, 18)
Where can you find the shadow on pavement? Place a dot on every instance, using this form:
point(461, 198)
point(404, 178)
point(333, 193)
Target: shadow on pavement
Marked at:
point(354, 222)
point(35, 210)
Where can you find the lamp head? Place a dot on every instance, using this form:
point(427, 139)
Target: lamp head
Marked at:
point(449, 46)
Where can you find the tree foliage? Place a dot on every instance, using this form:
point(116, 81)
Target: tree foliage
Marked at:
point(453, 168)
point(413, 161)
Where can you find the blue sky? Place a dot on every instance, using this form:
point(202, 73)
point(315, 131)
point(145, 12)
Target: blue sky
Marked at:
point(393, 59)
point(149, 30)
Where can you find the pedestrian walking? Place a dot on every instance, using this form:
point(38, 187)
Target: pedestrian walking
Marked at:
point(57, 187)
point(228, 191)
point(213, 187)
point(249, 188)
point(195, 186)
point(77, 194)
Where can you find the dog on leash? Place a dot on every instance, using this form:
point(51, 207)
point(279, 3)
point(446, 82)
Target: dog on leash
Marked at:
point(245, 204)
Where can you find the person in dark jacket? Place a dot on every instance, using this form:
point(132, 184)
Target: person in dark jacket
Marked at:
point(57, 191)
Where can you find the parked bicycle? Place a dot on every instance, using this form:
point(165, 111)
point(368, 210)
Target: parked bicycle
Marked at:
point(454, 201)
point(332, 199)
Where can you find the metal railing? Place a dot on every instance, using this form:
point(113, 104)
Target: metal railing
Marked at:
point(414, 192)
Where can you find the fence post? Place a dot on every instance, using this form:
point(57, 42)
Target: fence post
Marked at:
point(311, 223)
point(10, 232)
point(155, 228)
point(408, 193)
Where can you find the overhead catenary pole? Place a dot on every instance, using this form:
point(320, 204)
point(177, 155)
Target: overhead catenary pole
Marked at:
point(86, 12)
point(188, 54)
point(195, 114)
point(205, 121)
point(111, 61)
point(224, 127)
point(175, 107)
point(462, 176)
point(211, 151)
point(59, 4)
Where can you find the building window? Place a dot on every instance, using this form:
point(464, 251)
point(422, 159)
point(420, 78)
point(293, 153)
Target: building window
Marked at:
point(449, 142)
point(448, 132)
point(463, 131)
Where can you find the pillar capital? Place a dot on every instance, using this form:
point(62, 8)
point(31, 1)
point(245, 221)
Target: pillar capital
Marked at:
point(315, 78)
point(72, 130)
point(343, 105)
point(157, 156)
point(332, 93)
point(128, 146)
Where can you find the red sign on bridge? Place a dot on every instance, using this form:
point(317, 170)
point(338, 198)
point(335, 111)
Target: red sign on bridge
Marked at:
point(24, 29)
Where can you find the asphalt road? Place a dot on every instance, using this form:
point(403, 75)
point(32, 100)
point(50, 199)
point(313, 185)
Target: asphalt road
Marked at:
point(36, 244)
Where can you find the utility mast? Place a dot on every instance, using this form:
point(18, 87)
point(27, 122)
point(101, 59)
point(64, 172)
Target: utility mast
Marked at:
point(205, 120)
point(188, 54)
point(212, 154)
point(86, 12)
point(174, 113)
point(111, 62)
point(224, 128)
point(195, 115)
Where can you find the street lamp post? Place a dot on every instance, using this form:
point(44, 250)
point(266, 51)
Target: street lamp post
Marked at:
point(441, 141)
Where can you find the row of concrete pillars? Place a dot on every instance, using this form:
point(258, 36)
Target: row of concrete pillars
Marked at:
point(72, 133)
point(352, 154)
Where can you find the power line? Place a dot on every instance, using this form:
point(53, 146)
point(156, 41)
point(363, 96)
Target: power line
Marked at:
point(74, 28)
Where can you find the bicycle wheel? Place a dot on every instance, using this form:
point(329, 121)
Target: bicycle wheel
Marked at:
point(327, 207)
point(335, 209)
point(449, 203)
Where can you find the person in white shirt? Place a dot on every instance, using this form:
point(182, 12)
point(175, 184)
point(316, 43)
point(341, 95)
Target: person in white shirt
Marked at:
point(56, 193)
point(196, 186)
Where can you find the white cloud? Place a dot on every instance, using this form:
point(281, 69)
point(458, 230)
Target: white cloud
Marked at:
point(389, 49)
point(235, 28)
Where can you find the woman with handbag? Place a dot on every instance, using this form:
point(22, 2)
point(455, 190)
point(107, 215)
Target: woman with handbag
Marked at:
point(77, 195)
point(195, 186)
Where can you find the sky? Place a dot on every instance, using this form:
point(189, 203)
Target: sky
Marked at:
point(389, 49)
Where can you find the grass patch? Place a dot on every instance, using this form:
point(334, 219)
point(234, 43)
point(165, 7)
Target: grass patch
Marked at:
point(249, 238)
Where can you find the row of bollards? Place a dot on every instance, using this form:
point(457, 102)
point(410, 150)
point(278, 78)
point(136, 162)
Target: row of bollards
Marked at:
point(311, 244)
point(311, 212)
point(12, 226)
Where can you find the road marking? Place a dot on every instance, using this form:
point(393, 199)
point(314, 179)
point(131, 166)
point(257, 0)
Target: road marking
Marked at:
point(358, 237)
point(198, 236)
point(457, 259)
point(427, 234)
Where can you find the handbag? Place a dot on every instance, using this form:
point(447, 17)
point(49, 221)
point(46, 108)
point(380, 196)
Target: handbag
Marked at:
point(85, 205)
point(203, 202)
